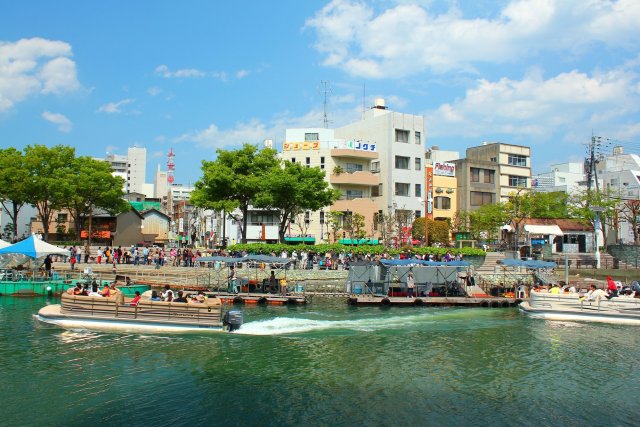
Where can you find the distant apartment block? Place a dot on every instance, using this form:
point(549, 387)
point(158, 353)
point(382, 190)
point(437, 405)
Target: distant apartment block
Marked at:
point(491, 172)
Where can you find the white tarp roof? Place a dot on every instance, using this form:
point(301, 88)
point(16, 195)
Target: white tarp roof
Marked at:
point(543, 229)
point(4, 244)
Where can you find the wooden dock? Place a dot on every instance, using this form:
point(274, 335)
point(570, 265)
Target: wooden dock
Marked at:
point(384, 301)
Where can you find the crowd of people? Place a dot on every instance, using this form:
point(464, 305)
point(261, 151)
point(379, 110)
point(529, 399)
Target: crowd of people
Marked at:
point(156, 256)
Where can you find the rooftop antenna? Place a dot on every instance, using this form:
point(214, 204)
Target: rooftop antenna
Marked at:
point(326, 89)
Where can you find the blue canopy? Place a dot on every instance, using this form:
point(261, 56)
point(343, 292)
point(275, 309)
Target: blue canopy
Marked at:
point(528, 264)
point(411, 261)
point(34, 248)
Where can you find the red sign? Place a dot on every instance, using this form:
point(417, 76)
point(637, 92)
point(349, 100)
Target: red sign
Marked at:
point(96, 234)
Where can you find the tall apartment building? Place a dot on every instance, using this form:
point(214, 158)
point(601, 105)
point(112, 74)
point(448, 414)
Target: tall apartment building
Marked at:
point(377, 163)
point(132, 168)
point(491, 172)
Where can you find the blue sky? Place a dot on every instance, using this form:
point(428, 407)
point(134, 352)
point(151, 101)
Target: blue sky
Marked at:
point(202, 75)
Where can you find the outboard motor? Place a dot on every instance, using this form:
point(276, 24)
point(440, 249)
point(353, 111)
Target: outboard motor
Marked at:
point(232, 319)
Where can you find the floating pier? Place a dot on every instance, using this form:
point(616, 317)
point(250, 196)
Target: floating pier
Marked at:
point(260, 299)
point(385, 301)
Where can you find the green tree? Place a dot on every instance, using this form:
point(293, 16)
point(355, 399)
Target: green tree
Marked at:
point(291, 190)
point(581, 206)
point(93, 187)
point(233, 181)
point(549, 205)
point(439, 231)
point(630, 212)
point(13, 179)
point(485, 223)
point(50, 179)
point(357, 226)
point(334, 223)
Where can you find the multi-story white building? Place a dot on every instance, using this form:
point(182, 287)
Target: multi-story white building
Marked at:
point(132, 168)
point(377, 164)
point(619, 173)
point(566, 177)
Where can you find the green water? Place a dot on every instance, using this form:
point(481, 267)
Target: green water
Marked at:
point(324, 364)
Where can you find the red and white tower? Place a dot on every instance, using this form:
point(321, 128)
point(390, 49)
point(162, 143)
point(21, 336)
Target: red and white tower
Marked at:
point(170, 167)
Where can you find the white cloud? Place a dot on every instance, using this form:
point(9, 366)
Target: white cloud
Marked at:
point(154, 91)
point(536, 107)
point(241, 74)
point(254, 131)
point(115, 107)
point(164, 71)
point(32, 66)
point(64, 124)
point(406, 39)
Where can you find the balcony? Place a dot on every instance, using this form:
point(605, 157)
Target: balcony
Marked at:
point(355, 178)
point(353, 154)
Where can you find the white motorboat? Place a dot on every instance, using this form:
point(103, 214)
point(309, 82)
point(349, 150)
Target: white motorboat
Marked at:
point(577, 307)
point(118, 314)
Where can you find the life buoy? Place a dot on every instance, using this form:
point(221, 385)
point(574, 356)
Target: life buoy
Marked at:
point(238, 300)
point(386, 302)
point(495, 303)
point(352, 301)
point(262, 301)
point(292, 301)
point(418, 302)
point(484, 304)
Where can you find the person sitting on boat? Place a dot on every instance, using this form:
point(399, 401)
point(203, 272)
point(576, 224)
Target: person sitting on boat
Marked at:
point(612, 288)
point(78, 289)
point(594, 294)
point(106, 291)
point(135, 299)
point(180, 298)
point(555, 289)
point(167, 295)
point(200, 297)
point(155, 296)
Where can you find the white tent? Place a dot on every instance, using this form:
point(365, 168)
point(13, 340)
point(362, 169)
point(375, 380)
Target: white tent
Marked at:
point(29, 249)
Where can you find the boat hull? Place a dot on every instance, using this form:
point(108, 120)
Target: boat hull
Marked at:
point(620, 310)
point(53, 315)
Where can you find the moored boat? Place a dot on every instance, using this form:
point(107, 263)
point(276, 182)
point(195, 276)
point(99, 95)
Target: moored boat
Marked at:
point(117, 313)
point(577, 307)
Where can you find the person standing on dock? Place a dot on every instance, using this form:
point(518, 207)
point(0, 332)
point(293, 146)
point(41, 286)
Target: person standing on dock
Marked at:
point(411, 285)
point(47, 265)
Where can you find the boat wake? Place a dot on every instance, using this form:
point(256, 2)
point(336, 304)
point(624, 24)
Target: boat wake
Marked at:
point(290, 325)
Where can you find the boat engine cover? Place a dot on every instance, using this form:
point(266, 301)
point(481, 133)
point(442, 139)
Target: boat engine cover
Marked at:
point(233, 319)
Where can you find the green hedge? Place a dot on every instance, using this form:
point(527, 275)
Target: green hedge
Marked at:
point(262, 248)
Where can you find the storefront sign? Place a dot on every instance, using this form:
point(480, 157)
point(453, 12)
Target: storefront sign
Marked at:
point(444, 169)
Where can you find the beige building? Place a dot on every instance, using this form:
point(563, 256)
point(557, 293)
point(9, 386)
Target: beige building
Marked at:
point(491, 172)
point(441, 183)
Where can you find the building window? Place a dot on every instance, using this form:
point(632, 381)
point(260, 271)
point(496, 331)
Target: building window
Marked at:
point(418, 214)
point(517, 181)
point(62, 217)
point(402, 189)
point(441, 202)
point(354, 194)
point(402, 162)
point(493, 159)
point(517, 160)
point(402, 135)
point(321, 162)
point(489, 176)
point(418, 138)
point(418, 163)
point(479, 198)
point(475, 175)
point(293, 160)
point(308, 161)
point(311, 137)
point(375, 167)
point(321, 217)
point(353, 167)
point(376, 191)
point(418, 190)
